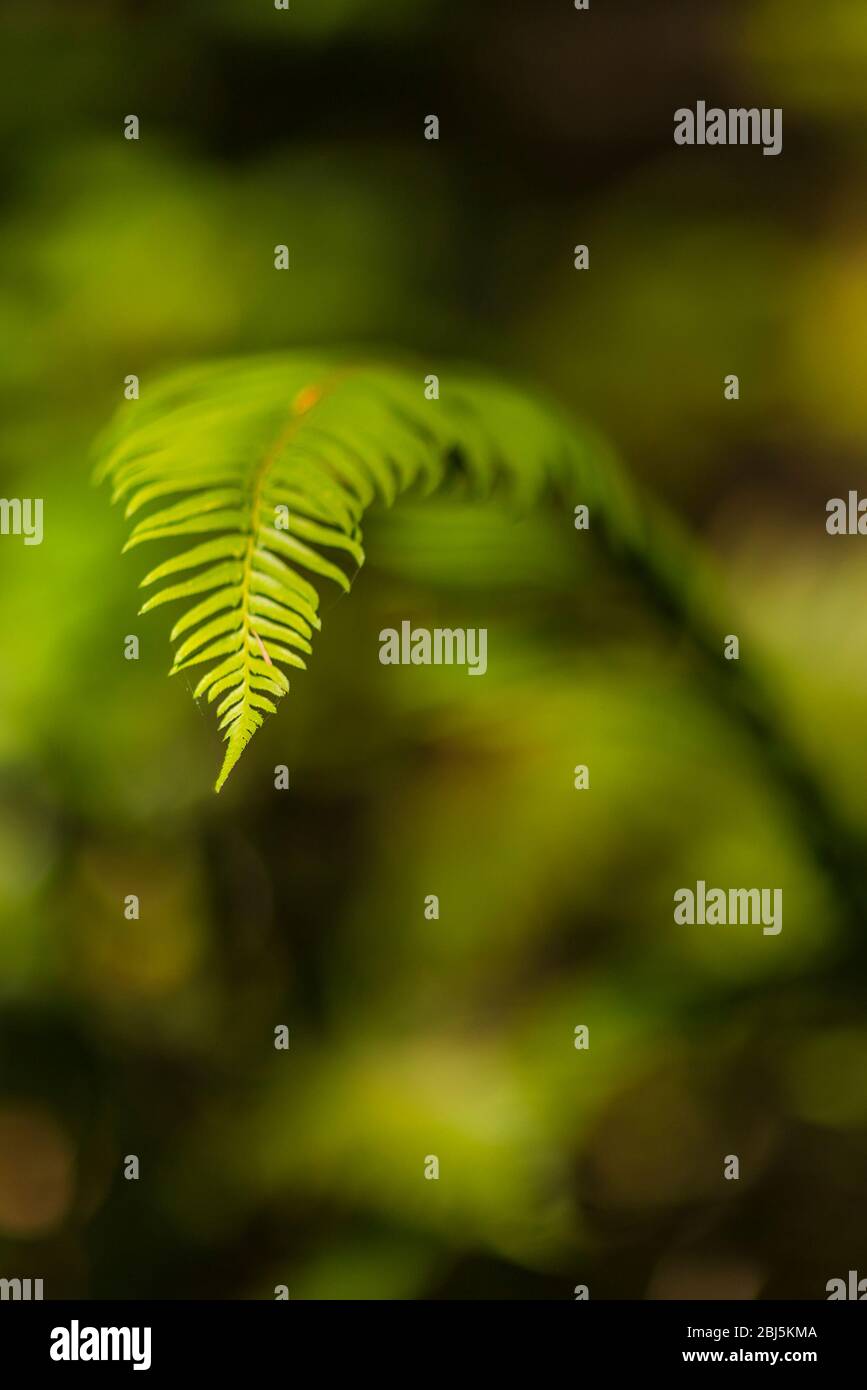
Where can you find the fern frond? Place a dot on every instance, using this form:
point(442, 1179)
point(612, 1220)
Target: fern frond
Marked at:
point(262, 469)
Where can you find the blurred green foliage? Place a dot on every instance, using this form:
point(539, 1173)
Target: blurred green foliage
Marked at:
point(408, 1036)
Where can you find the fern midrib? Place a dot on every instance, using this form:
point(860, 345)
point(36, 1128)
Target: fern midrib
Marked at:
point(305, 400)
point(256, 491)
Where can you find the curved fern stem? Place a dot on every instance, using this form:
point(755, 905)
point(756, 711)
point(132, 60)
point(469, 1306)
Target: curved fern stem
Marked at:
point(676, 582)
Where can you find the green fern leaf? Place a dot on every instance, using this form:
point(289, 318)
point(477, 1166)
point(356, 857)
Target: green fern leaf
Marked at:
point(227, 451)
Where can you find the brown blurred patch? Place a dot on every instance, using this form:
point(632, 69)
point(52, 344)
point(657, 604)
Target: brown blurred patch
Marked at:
point(37, 1165)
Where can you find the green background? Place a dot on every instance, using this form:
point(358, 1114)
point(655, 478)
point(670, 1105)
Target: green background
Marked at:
point(453, 1037)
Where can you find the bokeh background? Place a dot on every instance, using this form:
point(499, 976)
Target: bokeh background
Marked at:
point(454, 1037)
